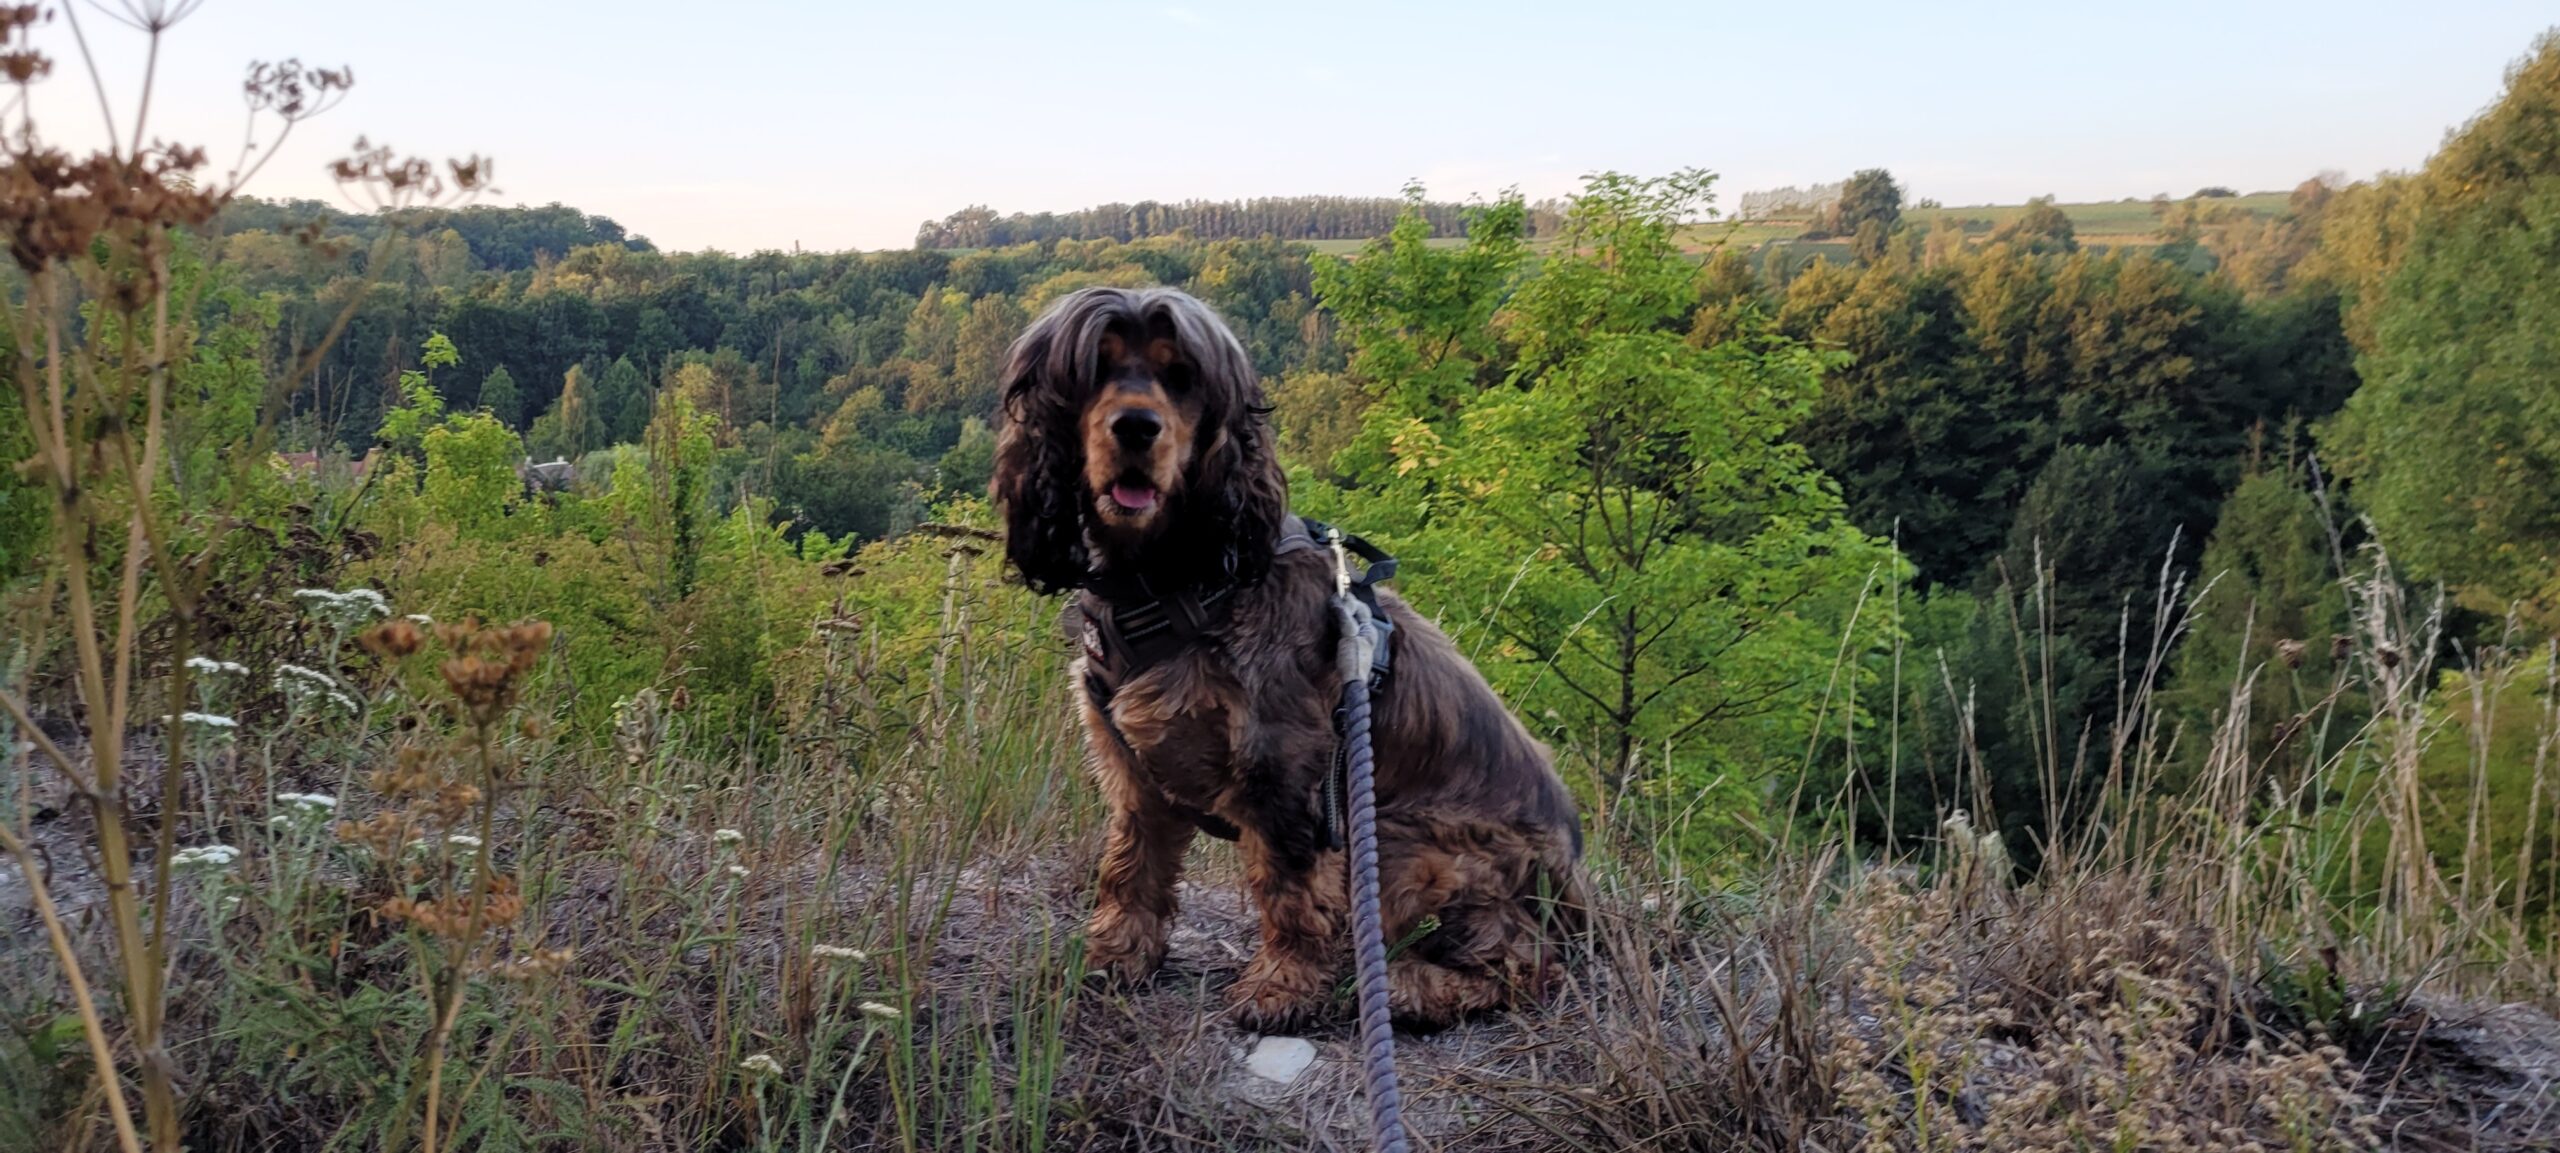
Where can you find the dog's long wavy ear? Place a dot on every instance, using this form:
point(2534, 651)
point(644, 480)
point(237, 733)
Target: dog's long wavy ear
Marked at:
point(1037, 482)
point(1242, 493)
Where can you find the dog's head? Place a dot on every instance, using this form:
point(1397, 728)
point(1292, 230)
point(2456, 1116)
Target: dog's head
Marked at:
point(1133, 428)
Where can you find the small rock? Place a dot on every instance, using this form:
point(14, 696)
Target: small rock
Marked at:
point(1281, 1059)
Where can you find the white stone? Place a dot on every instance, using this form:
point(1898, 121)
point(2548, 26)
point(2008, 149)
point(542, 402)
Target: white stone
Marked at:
point(1281, 1059)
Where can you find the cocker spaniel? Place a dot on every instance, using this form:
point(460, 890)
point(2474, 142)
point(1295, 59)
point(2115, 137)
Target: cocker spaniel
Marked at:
point(1135, 468)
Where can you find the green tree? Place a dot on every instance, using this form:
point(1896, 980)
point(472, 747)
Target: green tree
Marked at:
point(622, 399)
point(2453, 443)
point(498, 396)
point(971, 463)
point(1869, 210)
point(419, 406)
point(471, 479)
point(1870, 194)
point(1419, 318)
point(2094, 528)
point(573, 426)
point(978, 360)
point(2042, 227)
point(1662, 577)
point(2262, 633)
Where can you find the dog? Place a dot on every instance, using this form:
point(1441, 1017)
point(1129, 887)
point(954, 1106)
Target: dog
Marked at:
point(1135, 469)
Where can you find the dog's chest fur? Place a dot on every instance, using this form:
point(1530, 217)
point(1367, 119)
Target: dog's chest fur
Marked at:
point(1173, 722)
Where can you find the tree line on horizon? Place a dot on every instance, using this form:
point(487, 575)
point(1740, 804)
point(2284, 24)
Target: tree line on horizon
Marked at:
point(1280, 217)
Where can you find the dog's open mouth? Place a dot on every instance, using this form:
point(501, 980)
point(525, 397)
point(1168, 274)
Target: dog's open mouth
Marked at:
point(1133, 495)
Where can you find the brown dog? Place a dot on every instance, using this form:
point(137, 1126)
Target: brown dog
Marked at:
point(1136, 466)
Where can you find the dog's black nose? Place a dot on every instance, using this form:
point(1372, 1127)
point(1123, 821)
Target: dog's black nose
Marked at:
point(1136, 428)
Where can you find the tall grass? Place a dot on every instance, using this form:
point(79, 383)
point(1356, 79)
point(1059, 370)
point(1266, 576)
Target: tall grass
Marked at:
point(858, 930)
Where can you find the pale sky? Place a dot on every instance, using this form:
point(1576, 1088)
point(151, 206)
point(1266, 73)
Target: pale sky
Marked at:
point(749, 125)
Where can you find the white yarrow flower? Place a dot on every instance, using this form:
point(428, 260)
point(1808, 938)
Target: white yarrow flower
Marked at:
point(882, 1012)
point(463, 841)
point(303, 810)
point(213, 668)
point(727, 836)
point(302, 686)
point(210, 860)
point(737, 870)
point(837, 953)
point(212, 723)
point(762, 1065)
point(351, 609)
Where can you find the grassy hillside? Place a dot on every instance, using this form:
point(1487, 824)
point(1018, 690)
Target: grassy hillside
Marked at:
point(2103, 223)
point(2108, 222)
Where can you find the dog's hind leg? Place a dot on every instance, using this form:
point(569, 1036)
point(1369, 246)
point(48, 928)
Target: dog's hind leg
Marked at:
point(1466, 908)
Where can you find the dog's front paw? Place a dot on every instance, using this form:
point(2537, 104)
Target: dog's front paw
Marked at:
point(1277, 995)
point(1124, 948)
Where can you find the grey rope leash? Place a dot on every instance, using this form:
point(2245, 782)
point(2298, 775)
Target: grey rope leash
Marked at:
point(1368, 930)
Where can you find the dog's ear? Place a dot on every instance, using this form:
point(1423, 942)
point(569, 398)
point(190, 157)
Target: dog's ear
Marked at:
point(1244, 493)
point(1238, 483)
point(1038, 485)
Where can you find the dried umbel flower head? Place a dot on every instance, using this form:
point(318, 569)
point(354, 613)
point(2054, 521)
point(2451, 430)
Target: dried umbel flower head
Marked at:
point(385, 834)
point(393, 181)
point(451, 916)
point(487, 669)
point(20, 63)
point(294, 92)
point(392, 640)
point(53, 207)
point(412, 771)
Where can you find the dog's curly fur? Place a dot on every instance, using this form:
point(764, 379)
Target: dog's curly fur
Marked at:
point(1135, 449)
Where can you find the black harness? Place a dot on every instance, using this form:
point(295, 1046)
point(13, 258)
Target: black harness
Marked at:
point(1127, 629)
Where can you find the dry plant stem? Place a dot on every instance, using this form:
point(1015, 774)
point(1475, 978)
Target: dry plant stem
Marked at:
point(460, 955)
point(105, 701)
point(145, 542)
point(101, 1051)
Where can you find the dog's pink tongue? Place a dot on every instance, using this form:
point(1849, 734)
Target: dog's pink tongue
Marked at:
point(1135, 498)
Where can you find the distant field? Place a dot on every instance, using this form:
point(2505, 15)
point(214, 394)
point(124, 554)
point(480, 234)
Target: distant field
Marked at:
point(2106, 223)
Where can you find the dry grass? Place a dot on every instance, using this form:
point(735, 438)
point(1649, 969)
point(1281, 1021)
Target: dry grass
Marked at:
point(2163, 990)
